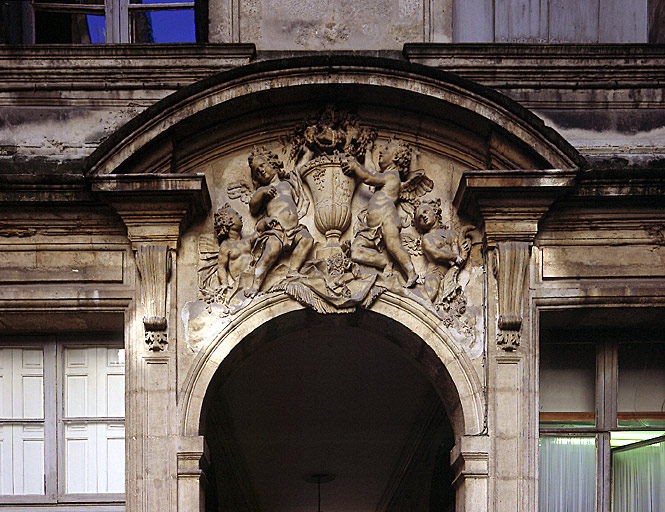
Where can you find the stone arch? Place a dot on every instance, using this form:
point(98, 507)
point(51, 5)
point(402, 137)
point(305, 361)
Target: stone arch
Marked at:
point(417, 332)
point(500, 133)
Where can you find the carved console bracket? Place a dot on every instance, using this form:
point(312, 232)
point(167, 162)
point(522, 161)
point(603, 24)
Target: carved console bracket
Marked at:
point(510, 272)
point(154, 266)
point(156, 209)
point(510, 205)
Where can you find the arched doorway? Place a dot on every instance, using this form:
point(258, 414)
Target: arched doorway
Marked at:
point(441, 390)
point(309, 394)
point(359, 395)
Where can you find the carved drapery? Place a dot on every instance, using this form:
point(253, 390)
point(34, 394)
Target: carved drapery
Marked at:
point(512, 259)
point(154, 266)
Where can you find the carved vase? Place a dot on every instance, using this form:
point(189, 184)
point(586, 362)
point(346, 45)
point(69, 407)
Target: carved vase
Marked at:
point(332, 192)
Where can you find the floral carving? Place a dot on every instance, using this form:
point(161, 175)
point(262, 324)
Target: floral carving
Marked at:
point(330, 132)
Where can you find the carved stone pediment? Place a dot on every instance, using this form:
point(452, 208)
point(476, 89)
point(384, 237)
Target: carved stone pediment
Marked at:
point(335, 215)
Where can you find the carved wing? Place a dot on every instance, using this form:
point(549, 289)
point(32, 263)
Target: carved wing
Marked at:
point(207, 271)
point(416, 186)
point(240, 190)
point(409, 210)
point(208, 247)
point(412, 244)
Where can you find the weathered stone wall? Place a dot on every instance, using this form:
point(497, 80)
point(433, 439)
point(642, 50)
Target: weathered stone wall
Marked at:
point(102, 252)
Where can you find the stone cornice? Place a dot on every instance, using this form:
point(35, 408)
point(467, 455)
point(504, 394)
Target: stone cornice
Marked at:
point(520, 65)
point(511, 203)
point(43, 188)
point(111, 75)
point(155, 208)
point(41, 67)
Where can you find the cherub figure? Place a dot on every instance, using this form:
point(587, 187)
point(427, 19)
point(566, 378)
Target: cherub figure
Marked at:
point(235, 252)
point(226, 260)
point(277, 201)
point(383, 224)
point(441, 248)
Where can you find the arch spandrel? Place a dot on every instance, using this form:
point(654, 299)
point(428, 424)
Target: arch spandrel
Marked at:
point(424, 340)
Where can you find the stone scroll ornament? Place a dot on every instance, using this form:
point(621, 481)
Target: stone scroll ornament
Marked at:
point(510, 266)
point(328, 157)
point(154, 265)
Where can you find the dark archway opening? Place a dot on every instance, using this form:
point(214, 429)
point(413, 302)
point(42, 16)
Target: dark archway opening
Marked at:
point(309, 393)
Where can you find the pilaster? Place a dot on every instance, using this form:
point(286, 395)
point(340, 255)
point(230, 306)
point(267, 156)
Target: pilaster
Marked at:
point(156, 210)
point(469, 459)
point(510, 205)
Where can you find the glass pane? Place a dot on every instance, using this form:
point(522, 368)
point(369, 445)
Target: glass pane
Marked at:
point(22, 458)
point(15, 22)
point(567, 474)
point(95, 457)
point(624, 437)
point(149, 2)
point(175, 26)
point(641, 401)
point(94, 382)
point(68, 28)
point(567, 384)
point(638, 479)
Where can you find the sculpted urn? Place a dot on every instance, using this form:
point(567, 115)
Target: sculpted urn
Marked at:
point(332, 191)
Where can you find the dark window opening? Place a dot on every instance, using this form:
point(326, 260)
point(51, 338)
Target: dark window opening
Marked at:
point(102, 21)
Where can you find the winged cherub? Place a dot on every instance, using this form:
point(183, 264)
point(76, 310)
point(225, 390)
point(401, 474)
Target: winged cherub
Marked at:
point(443, 249)
point(278, 202)
point(234, 256)
point(383, 223)
point(227, 261)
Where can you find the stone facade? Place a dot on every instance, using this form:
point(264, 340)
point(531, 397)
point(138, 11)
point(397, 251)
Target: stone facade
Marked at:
point(193, 196)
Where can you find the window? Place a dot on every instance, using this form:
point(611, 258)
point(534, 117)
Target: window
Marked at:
point(62, 433)
point(558, 21)
point(602, 420)
point(98, 21)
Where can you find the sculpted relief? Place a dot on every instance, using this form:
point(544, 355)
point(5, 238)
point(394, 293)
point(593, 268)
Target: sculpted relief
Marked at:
point(336, 222)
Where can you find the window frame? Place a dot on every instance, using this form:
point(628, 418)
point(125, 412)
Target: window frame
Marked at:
point(127, 8)
point(53, 388)
point(606, 342)
point(116, 17)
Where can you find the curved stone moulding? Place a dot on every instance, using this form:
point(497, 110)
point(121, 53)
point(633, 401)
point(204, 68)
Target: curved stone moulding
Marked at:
point(452, 359)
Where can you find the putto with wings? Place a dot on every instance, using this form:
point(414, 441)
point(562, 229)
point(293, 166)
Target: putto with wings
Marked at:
point(446, 252)
point(378, 242)
point(278, 202)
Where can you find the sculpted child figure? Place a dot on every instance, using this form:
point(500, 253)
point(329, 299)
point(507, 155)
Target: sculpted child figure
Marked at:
point(383, 222)
point(275, 202)
point(235, 252)
point(439, 246)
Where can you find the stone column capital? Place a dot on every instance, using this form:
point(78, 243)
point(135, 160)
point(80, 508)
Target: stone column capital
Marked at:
point(510, 204)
